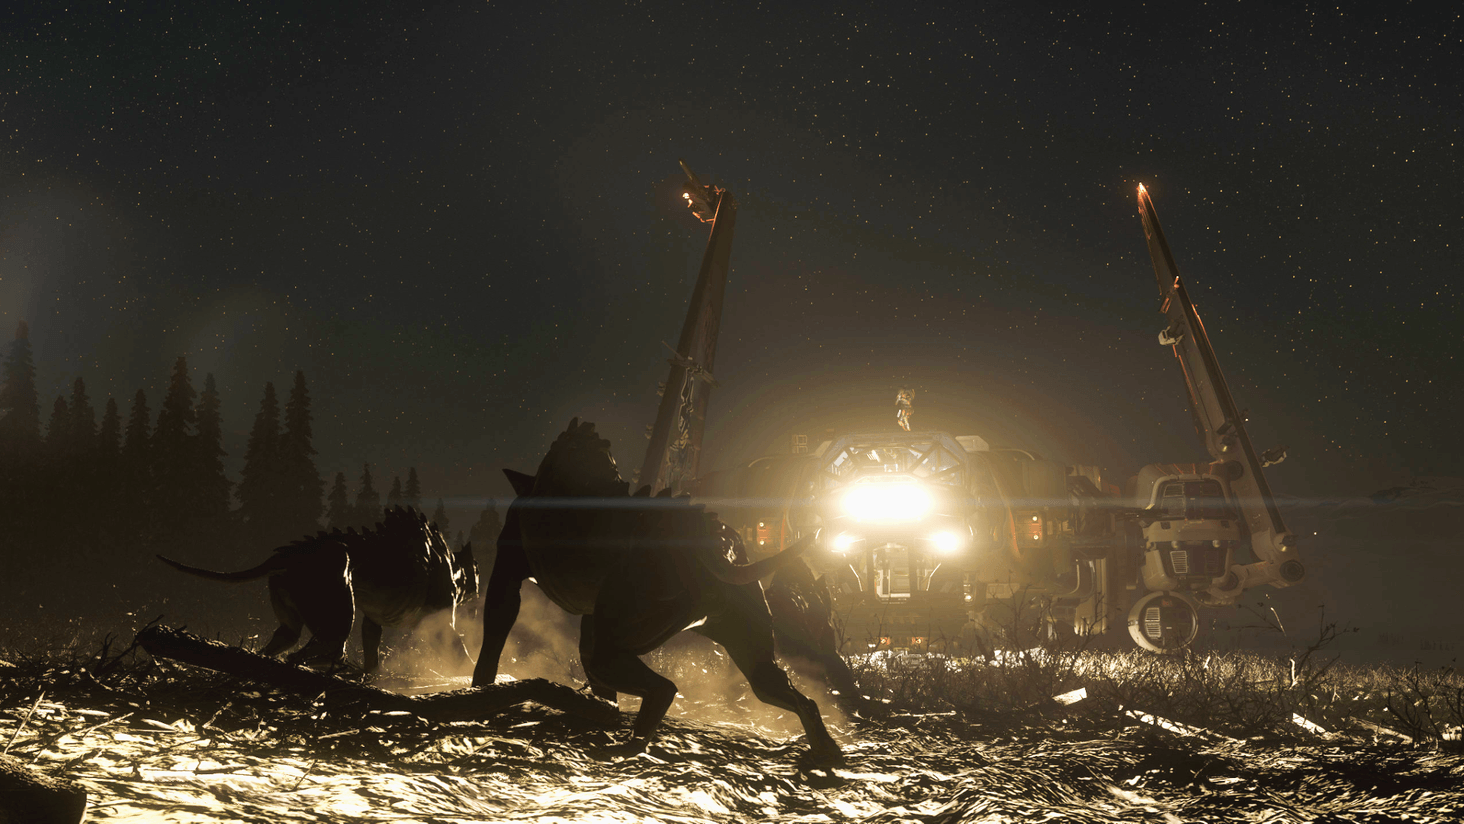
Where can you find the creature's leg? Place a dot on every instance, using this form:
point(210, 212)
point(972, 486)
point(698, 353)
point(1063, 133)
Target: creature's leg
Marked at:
point(288, 633)
point(586, 649)
point(804, 631)
point(625, 626)
point(746, 633)
point(370, 644)
point(322, 593)
point(613, 671)
point(501, 603)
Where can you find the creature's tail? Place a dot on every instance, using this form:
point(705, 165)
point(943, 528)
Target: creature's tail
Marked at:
point(270, 565)
point(740, 574)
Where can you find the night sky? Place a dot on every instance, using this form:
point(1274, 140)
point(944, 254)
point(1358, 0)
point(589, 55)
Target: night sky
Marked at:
point(462, 221)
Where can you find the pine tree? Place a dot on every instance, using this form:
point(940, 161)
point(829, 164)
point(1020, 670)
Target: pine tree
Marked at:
point(20, 409)
point(368, 501)
point(80, 473)
point(83, 420)
point(52, 484)
point(212, 485)
point(109, 436)
point(134, 447)
point(135, 473)
point(20, 438)
point(484, 534)
point(258, 488)
point(174, 452)
point(439, 517)
point(412, 494)
point(394, 497)
point(110, 484)
point(58, 431)
point(300, 479)
point(338, 504)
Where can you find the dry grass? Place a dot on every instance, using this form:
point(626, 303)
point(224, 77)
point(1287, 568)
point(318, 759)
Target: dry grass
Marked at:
point(1302, 695)
point(1305, 694)
point(1206, 737)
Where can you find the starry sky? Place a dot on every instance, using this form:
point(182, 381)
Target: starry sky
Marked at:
point(462, 221)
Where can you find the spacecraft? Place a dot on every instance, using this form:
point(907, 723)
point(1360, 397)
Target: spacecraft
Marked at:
point(932, 541)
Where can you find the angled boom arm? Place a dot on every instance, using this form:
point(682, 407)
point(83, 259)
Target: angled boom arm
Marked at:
point(676, 437)
point(1220, 423)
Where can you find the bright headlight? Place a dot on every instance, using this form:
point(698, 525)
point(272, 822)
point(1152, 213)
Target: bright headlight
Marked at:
point(843, 542)
point(887, 502)
point(946, 542)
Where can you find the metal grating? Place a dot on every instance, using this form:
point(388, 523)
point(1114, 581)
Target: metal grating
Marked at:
point(1153, 627)
point(1215, 562)
point(1180, 559)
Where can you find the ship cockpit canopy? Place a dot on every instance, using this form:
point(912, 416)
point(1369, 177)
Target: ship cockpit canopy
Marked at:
point(921, 457)
point(1193, 500)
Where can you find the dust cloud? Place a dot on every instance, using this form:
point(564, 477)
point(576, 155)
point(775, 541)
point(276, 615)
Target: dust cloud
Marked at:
point(545, 644)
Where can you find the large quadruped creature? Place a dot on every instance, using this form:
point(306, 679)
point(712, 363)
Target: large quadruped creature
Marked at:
point(397, 574)
point(639, 570)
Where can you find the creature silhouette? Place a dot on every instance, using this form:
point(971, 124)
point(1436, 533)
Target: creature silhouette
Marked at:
point(639, 570)
point(396, 574)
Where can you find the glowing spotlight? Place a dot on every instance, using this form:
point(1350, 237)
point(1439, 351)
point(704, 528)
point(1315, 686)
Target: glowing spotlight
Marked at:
point(843, 542)
point(887, 502)
point(946, 542)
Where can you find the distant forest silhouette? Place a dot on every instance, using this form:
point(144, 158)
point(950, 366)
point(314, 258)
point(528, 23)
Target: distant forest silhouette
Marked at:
point(82, 499)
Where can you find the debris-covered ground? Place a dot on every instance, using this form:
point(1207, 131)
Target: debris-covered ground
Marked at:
point(157, 741)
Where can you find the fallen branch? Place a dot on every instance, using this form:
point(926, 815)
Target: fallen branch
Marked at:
point(471, 704)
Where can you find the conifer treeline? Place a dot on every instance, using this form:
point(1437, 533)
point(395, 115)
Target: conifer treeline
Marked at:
point(159, 486)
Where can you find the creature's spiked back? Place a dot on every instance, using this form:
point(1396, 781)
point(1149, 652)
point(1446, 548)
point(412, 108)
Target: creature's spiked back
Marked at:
point(579, 463)
point(405, 529)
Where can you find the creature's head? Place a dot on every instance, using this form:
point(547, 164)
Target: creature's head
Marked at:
point(406, 523)
point(465, 573)
point(464, 566)
point(579, 463)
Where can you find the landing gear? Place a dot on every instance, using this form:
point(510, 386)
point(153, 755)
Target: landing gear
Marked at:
point(1165, 622)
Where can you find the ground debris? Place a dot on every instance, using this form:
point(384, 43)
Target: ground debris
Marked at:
point(440, 706)
point(181, 744)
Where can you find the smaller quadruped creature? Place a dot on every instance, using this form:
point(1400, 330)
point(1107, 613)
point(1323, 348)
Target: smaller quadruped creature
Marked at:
point(397, 574)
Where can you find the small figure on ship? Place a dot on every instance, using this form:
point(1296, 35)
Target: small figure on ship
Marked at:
point(904, 400)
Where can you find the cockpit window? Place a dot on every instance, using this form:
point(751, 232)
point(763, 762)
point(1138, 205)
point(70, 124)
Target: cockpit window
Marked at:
point(1194, 501)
